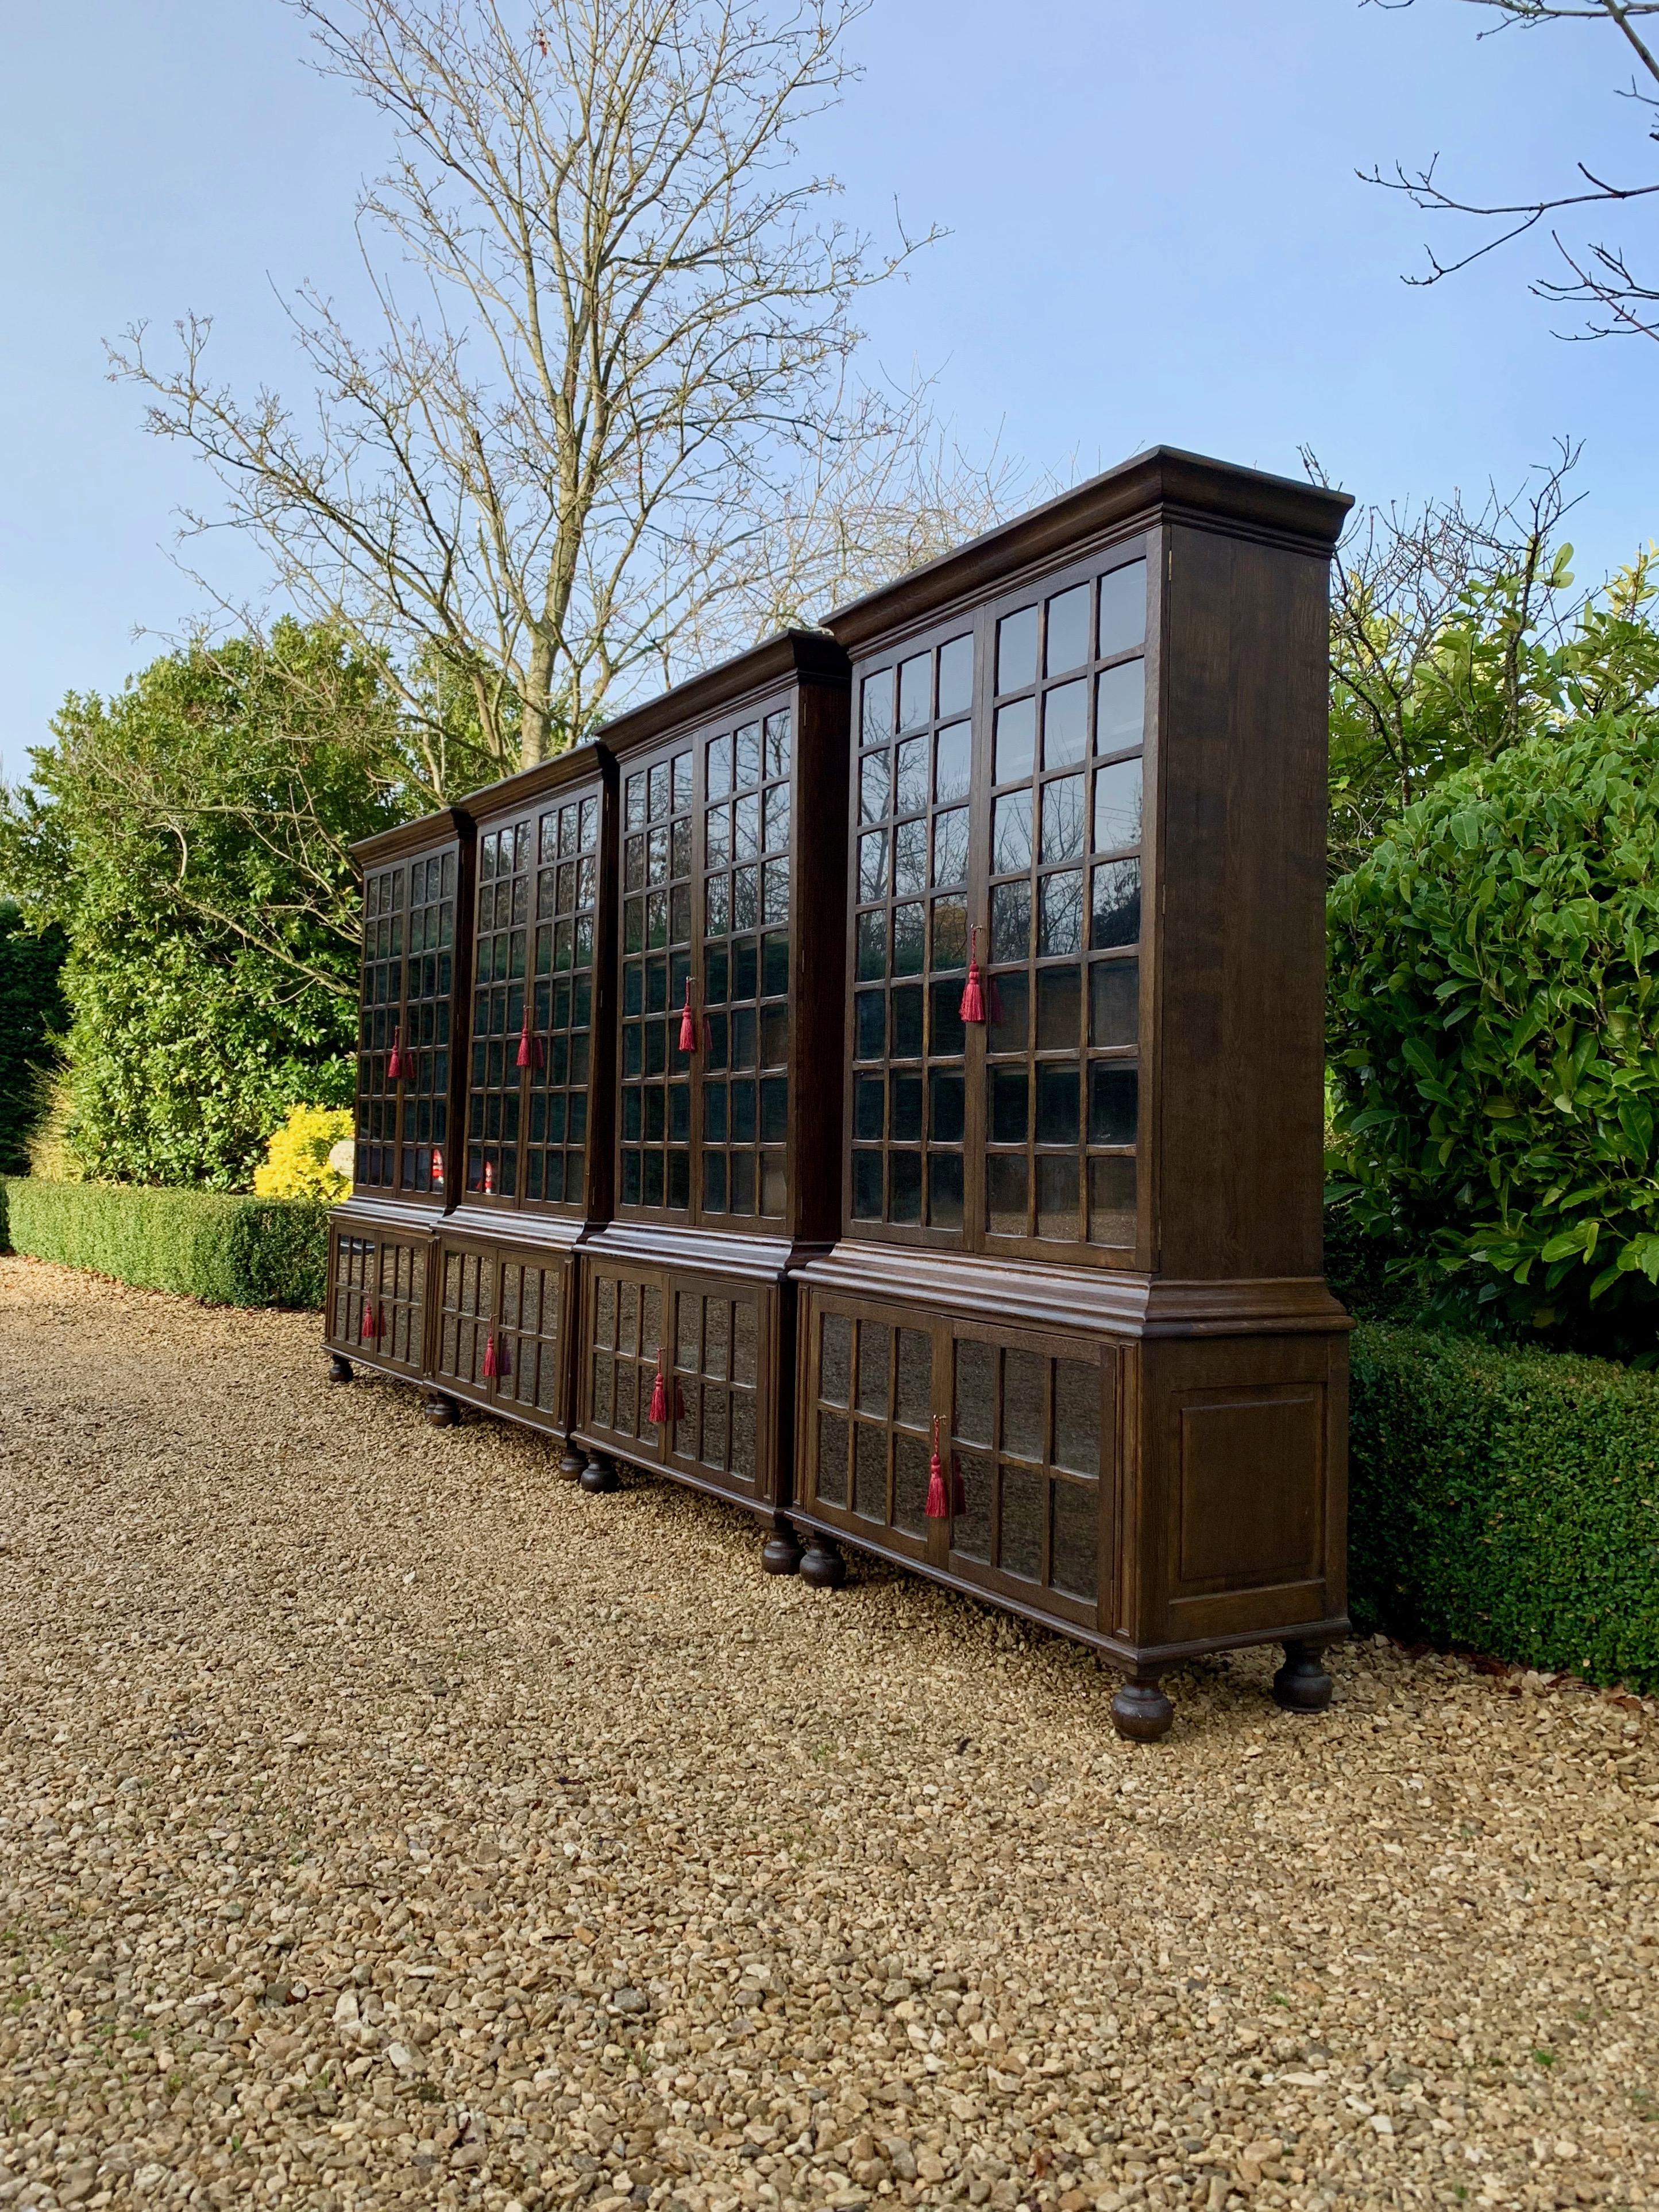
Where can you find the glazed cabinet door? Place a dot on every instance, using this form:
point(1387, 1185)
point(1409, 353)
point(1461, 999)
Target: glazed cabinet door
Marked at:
point(498, 1338)
point(377, 1298)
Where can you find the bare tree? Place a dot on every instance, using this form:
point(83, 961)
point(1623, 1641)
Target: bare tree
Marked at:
point(1600, 278)
point(620, 428)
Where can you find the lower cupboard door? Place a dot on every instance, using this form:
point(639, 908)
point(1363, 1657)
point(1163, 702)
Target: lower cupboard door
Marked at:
point(378, 1298)
point(718, 1382)
point(621, 1346)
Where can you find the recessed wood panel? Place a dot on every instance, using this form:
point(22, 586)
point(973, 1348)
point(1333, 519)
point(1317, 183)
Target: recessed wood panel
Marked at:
point(1252, 1475)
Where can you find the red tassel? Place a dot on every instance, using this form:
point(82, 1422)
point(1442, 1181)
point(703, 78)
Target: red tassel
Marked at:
point(973, 991)
point(400, 1065)
point(370, 1327)
point(938, 1506)
point(688, 1024)
point(659, 1413)
point(530, 1046)
point(492, 1365)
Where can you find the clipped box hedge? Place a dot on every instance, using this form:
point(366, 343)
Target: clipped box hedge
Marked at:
point(223, 1249)
point(1507, 1501)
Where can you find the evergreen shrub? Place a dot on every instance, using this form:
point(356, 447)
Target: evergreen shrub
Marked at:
point(223, 1249)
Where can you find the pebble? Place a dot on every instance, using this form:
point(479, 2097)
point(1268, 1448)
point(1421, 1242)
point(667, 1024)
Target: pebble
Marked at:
point(383, 1822)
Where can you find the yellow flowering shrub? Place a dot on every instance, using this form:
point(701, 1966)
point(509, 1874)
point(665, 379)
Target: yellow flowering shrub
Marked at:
point(297, 1164)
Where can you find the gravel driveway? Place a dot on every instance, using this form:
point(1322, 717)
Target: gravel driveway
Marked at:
point(383, 1822)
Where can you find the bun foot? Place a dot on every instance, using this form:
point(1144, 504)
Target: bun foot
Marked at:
point(1301, 1686)
point(339, 1367)
point(443, 1413)
point(822, 1563)
point(599, 1477)
point(782, 1552)
point(1141, 1712)
point(572, 1461)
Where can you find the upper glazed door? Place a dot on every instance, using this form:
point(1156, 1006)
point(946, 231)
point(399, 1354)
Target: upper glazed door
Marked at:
point(408, 979)
point(998, 810)
point(707, 901)
point(533, 1005)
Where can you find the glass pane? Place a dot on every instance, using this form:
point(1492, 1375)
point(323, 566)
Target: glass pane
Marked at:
point(867, 1108)
point(774, 1185)
point(743, 1111)
point(945, 1189)
point(1076, 1417)
point(720, 767)
point(867, 1186)
point(1011, 920)
point(956, 675)
point(1017, 640)
point(832, 1459)
point(1057, 1102)
point(906, 1021)
point(1009, 1008)
point(1112, 1199)
point(951, 844)
point(776, 820)
point(1024, 1415)
point(1059, 913)
point(1112, 1103)
point(1114, 908)
point(835, 1358)
point(950, 932)
point(776, 746)
point(1010, 1112)
point(949, 1035)
point(1117, 806)
point(1006, 1186)
point(975, 1390)
point(870, 1472)
point(905, 1105)
point(713, 1182)
point(745, 827)
point(945, 1088)
point(1060, 1008)
point(912, 1461)
point(775, 904)
point(1063, 819)
point(952, 761)
point(747, 769)
point(1068, 643)
point(875, 713)
point(872, 946)
point(915, 690)
point(904, 1190)
point(1016, 740)
point(1011, 834)
point(914, 1398)
point(1076, 1567)
point(970, 1525)
point(910, 783)
point(909, 944)
point(870, 1024)
point(910, 857)
point(742, 1183)
point(1065, 724)
point(874, 787)
point(1057, 1198)
point(1024, 1500)
point(774, 965)
point(873, 866)
point(1120, 705)
point(1122, 609)
point(774, 1110)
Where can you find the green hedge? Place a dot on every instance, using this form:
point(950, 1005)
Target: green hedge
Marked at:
point(203, 1244)
point(1506, 1500)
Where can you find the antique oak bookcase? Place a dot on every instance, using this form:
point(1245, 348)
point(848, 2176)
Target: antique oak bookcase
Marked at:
point(1072, 1350)
point(732, 797)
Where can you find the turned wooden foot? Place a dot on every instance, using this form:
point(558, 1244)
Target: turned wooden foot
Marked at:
point(1301, 1686)
point(339, 1367)
point(571, 1461)
point(443, 1413)
point(781, 1554)
point(1140, 1711)
point(599, 1476)
point(822, 1563)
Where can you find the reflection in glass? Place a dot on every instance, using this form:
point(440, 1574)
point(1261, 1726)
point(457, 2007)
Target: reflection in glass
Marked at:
point(950, 932)
point(1060, 1008)
point(956, 675)
point(867, 1108)
point(908, 948)
point(952, 761)
point(910, 790)
point(873, 866)
point(906, 1021)
point(870, 1024)
point(910, 857)
point(1011, 920)
point(877, 716)
point(1114, 908)
point(1010, 833)
point(1117, 806)
point(945, 1190)
point(873, 789)
point(872, 946)
point(867, 1186)
point(1060, 914)
point(1062, 819)
point(914, 691)
point(950, 847)
point(950, 1036)
point(1016, 740)
point(1065, 724)
point(1008, 1006)
point(1017, 637)
point(1112, 1103)
point(1120, 705)
point(1009, 1106)
point(905, 1187)
point(1122, 609)
point(1057, 1089)
point(1067, 645)
point(1112, 1198)
point(1057, 1198)
point(1005, 1202)
point(1113, 1002)
point(945, 1106)
point(904, 1102)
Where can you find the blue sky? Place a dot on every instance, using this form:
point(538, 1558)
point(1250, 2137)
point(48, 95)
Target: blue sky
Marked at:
point(1156, 234)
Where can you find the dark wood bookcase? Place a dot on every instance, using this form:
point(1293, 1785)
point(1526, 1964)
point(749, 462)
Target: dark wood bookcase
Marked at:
point(727, 1097)
point(1080, 1248)
point(880, 1081)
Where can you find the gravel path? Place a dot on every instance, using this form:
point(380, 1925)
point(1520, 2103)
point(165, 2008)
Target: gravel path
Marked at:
point(382, 1822)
